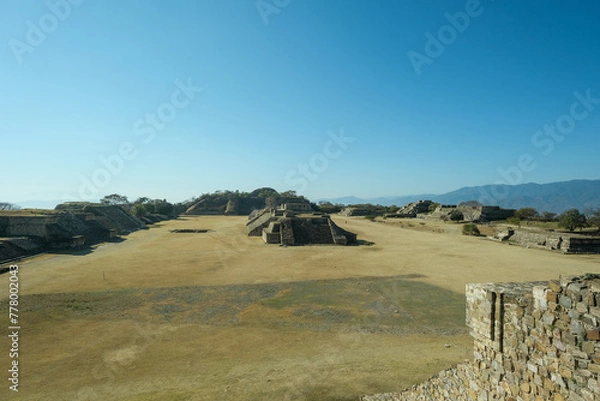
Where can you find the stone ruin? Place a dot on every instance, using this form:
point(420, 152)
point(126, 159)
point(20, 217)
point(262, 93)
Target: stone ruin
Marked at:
point(412, 209)
point(69, 225)
point(474, 213)
point(230, 205)
point(551, 241)
point(354, 211)
point(481, 213)
point(533, 341)
point(287, 226)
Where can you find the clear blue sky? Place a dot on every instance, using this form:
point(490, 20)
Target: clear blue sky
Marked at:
point(85, 80)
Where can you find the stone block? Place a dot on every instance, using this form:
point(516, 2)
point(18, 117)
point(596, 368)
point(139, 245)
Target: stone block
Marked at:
point(594, 367)
point(573, 396)
point(594, 386)
point(588, 347)
point(554, 286)
point(593, 334)
point(589, 299)
point(581, 307)
point(539, 298)
point(565, 301)
point(552, 296)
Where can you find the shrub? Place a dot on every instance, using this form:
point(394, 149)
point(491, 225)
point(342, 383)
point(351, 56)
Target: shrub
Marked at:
point(456, 215)
point(470, 229)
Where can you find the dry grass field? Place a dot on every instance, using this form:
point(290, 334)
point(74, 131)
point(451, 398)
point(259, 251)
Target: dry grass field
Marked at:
point(221, 316)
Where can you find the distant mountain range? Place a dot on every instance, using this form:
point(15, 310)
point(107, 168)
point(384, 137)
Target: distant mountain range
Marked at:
point(553, 197)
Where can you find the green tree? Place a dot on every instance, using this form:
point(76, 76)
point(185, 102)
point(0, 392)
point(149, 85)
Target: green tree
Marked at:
point(114, 199)
point(571, 220)
point(328, 207)
point(139, 210)
point(526, 213)
point(9, 206)
point(180, 207)
point(141, 199)
point(264, 192)
point(456, 215)
point(289, 194)
point(593, 218)
point(162, 206)
point(548, 216)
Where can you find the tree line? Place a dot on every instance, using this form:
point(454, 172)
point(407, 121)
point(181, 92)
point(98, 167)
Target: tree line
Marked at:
point(570, 220)
point(144, 206)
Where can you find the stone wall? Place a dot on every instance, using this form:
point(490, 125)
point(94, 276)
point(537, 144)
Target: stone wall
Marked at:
point(312, 231)
point(532, 342)
point(353, 211)
point(582, 245)
point(109, 216)
point(51, 229)
point(566, 243)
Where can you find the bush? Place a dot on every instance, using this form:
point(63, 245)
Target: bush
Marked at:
point(470, 229)
point(456, 215)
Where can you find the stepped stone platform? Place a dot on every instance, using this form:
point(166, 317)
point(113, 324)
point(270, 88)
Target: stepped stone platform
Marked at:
point(285, 227)
point(242, 206)
point(411, 209)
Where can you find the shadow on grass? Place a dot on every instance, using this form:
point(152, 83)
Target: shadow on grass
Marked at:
point(84, 249)
point(79, 251)
point(397, 305)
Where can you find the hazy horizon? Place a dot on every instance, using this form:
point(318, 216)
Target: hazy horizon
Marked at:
point(331, 99)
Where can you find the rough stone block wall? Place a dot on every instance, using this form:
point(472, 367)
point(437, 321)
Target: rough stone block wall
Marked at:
point(287, 233)
point(34, 226)
point(492, 213)
point(532, 342)
point(566, 243)
point(547, 241)
point(582, 245)
point(312, 231)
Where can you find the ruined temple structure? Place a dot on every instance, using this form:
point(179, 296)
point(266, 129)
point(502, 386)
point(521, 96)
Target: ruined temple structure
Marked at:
point(236, 205)
point(286, 226)
point(412, 209)
point(537, 341)
point(551, 241)
point(475, 213)
point(483, 213)
point(69, 225)
point(354, 211)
